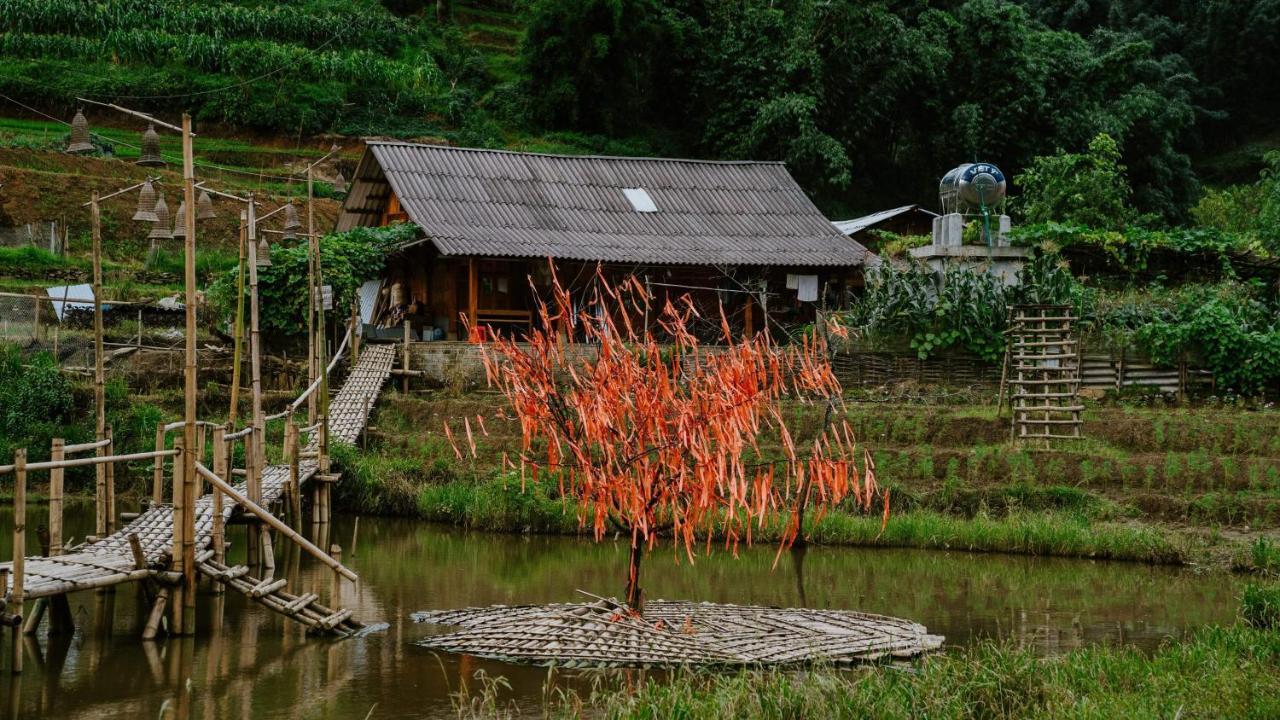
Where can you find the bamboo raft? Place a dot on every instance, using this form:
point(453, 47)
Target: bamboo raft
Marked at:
point(603, 633)
point(142, 549)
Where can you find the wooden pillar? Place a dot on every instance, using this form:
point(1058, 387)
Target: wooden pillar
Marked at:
point(56, 454)
point(19, 550)
point(473, 293)
point(157, 468)
point(110, 478)
point(748, 326)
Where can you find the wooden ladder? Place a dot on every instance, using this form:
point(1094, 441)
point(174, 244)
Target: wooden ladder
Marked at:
point(270, 593)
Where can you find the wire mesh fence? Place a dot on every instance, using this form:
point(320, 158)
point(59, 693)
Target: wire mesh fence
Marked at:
point(62, 323)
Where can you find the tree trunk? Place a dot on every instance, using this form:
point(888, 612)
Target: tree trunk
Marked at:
point(802, 501)
point(635, 594)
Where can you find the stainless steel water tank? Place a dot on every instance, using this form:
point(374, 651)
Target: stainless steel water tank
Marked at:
point(971, 185)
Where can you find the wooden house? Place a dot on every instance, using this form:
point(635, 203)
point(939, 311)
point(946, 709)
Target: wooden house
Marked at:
point(742, 234)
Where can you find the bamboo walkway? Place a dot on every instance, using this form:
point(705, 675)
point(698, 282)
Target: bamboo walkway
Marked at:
point(112, 560)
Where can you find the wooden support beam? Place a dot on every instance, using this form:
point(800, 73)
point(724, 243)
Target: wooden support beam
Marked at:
point(473, 292)
point(274, 522)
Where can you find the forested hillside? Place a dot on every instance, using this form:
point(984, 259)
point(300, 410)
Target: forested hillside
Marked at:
point(868, 102)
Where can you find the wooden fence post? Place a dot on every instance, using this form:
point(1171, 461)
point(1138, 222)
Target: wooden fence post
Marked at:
point(19, 550)
point(55, 498)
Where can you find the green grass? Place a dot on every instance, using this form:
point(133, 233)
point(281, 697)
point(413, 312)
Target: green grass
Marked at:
point(1260, 606)
point(500, 505)
point(1218, 672)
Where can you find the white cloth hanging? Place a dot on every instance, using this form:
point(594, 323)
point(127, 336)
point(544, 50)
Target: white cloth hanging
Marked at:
point(807, 288)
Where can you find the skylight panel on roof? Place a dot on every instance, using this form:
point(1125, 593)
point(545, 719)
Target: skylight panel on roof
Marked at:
point(640, 200)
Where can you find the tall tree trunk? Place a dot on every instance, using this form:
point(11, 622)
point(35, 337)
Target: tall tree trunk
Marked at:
point(635, 594)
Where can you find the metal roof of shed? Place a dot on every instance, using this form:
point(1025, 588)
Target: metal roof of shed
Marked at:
point(502, 203)
point(849, 227)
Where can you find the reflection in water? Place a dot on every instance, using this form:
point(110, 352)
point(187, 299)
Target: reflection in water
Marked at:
point(248, 662)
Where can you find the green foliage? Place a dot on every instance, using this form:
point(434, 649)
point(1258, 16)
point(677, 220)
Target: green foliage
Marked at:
point(958, 309)
point(347, 259)
point(869, 95)
point(35, 400)
point(294, 67)
point(1231, 329)
point(1248, 211)
point(1134, 250)
point(30, 261)
point(594, 64)
point(1088, 189)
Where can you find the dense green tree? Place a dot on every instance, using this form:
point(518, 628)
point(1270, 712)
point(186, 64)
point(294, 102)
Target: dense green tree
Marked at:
point(1088, 188)
point(867, 102)
point(598, 65)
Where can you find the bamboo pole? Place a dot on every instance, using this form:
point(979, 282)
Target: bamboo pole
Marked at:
point(81, 462)
point(335, 592)
point(55, 498)
point(404, 357)
point(157, 477)
point(99, 401)
point(19, 551)
point(179, 511)
point(109, 473)
point(355, 330)
point(275, 523)
point(189, 404)
point(152, 627)
point(291, 457)
point(221, 466)
point(255, 352)
point(321, 352)
point(239, 328)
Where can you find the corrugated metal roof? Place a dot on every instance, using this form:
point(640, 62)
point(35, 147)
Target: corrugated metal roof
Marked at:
point(849, 227)
point(501, 203)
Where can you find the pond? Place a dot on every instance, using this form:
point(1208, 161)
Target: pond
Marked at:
point(247, 662)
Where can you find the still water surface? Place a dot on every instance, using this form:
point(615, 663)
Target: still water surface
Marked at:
point(248, 662)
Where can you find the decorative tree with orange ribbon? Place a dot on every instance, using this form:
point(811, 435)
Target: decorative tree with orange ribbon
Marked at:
point(663, 439)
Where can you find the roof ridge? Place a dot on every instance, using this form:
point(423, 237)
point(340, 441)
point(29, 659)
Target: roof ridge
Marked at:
point(433, 146)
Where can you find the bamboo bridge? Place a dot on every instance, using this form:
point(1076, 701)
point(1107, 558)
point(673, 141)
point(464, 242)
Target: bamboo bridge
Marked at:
point(146, 547)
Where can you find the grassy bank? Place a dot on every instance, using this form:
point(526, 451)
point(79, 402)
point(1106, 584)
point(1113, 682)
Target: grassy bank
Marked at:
point(1218, 672)
point(1180, 486)
point(501, 506)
